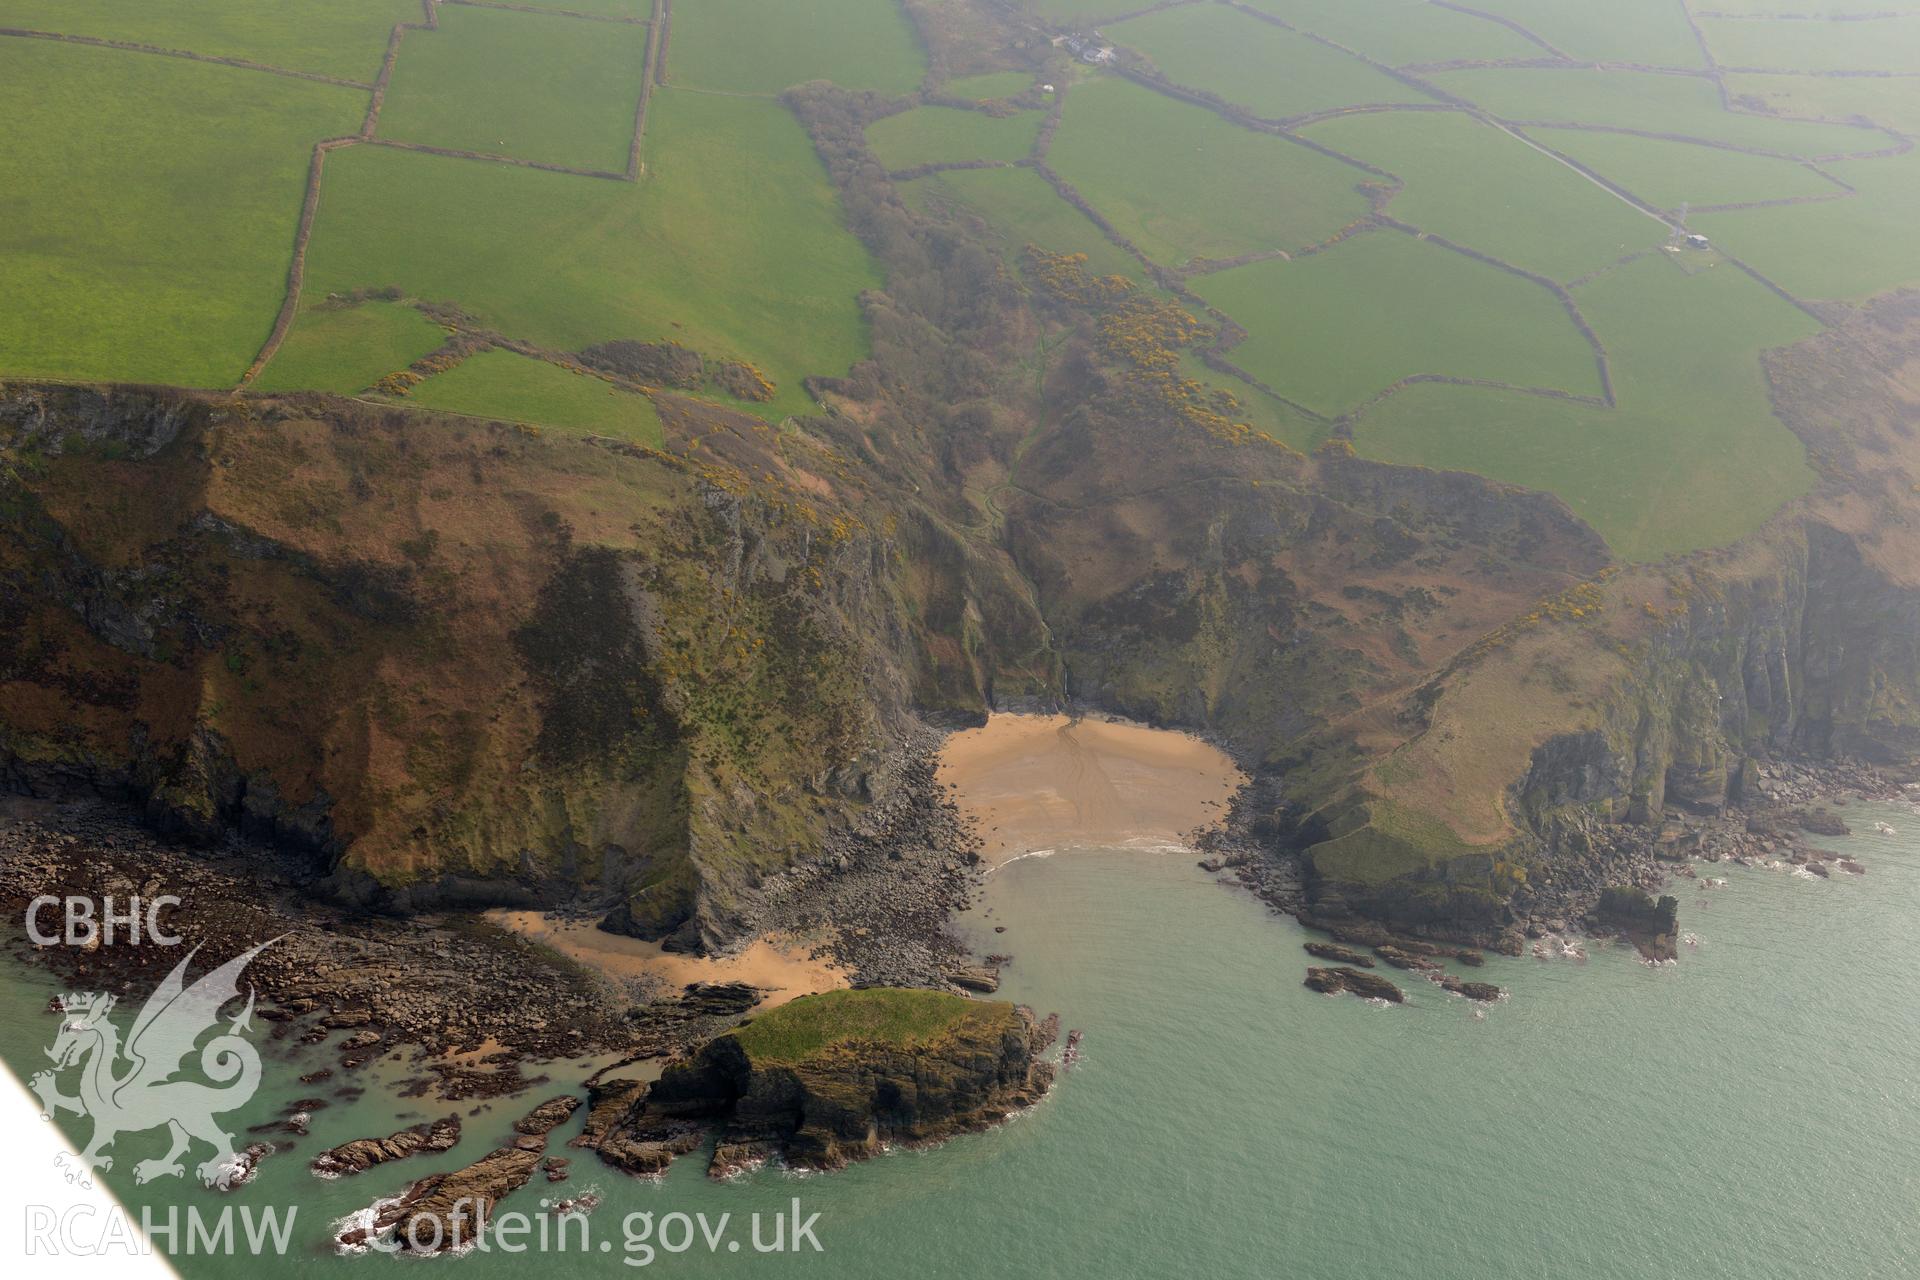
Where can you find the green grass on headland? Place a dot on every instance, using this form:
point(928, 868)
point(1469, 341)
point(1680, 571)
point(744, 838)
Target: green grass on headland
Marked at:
point(768, 46)
point(802, 1028)
point(344, 38)
point(1686, 106)
point(531, 86)
point(945, 135)
point(349, 348)
point(1692, 457)
point(734, 244)
point(1272, 72)
point(1182, 183)
point(147, 210)
point(504, 384)
point(1334, 329)
point(992, 85)
point(1547, 218)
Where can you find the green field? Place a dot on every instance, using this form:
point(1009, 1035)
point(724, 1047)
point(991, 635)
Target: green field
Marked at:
point(1885, 100)
point(1334, 329)
point(608, 8)
point(1398, 32)
point(349, 348)
point(1693, 456)
point(753, 46)
point(1686, 106)
point(1850, 248)
point(1668, 174)
point(1486, 189)
point(992, 85)
point(1020, 208)
point(748, 260)
point(531, 86)
point(1272, 72)
point(150, 243)
point(344, 38)
point(944, 135)
point(1890, 43)
point(1183, 183)
point(1649, 31)
point(501, 384)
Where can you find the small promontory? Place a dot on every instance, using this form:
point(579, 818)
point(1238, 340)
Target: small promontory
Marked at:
point(832, 1078)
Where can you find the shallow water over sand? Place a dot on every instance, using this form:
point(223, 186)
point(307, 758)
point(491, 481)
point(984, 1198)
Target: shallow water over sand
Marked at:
point(1753, 1111)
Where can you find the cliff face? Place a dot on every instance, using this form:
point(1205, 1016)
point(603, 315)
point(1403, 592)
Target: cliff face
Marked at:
point(1659, 689)
point(463, 663)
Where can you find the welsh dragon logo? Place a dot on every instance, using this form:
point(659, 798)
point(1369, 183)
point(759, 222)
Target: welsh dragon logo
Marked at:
point(132, 1088)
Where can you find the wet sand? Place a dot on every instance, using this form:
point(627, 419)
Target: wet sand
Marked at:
point(1033, 784)
point(780, 967)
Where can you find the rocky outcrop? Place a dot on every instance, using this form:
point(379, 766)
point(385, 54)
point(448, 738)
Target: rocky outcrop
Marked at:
point(830, 1079)
point(1368, 986)
point(1338, 954)
point(364, 1153)
point(1651, 925)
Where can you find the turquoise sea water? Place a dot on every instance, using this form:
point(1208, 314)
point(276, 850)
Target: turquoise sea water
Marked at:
point(1751, 1112)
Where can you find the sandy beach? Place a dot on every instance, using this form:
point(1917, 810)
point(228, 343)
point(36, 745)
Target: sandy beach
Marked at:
point(780, 967)
point(1037, 783)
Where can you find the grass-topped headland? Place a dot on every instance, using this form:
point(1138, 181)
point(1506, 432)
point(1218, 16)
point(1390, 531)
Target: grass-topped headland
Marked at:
point(802, 1029)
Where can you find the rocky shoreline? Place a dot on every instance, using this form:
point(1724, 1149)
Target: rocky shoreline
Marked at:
point(1608, 878)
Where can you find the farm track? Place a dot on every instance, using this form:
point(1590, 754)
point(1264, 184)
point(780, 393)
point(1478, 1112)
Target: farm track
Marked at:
point(376, 99)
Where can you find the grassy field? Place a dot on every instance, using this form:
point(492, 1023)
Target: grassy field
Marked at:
point(985, 88)
point(610, 8)
point(349, 348)
point(1889, 43)
point(1333, 329)
point(345, 38)
point(1850, 248)
point(801, 1028)
point(734, 245)
point(1183, 183)
point(502, 384)
point(1693, 456)
point(1397, 32)
point(752, 46)
point(519, 84)
point(1483, 188)
point(1682, 105)
point(1883, 100)
point(1650, 31)
point(148, 244)
point(942, 135)
point(1021, 209)
point(1668, 174)
point(1272, 72)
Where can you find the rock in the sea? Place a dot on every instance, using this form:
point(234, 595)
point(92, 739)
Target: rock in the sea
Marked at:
point(364, 1153)
point(1821, 822)
point(548, 1116)
point(1338, 954)
point(1482, 991)
point(1652, 926)
point(1368, 986)
point(447, 1210)
point(832, 1078)
point(1400, 958)
point(975, 977)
